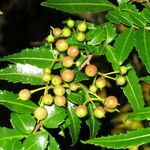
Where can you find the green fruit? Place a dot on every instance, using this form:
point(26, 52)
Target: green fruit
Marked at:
point(80, 36)
point(62, 45)
point(40, 113)
point(99, 112)
point(25, 94)
point(67, 61)
point(60, 100)
point(93, 88)
point(57, 32)
point(111, 102)
point(67, 75)
point(56, 80)
point(73, 51)
point(123, 70)
point(81, 111)
point(73, 86)
point(50, 38)
point(46, 77)
point(66, 32)
point(82, 26)
point(59, 90)
point(70, 23)
point(47, 99)
point(110, 110)
point(47, 70)
point(101, 82)
point(91, 70)
point(120, 80)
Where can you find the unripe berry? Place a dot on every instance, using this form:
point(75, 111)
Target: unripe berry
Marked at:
point(73, 86)
point(60, 100)
point(80, 36)
point(66, 32)
point(82, 27)
point(120, 80)
point(81, 111)
point(73, 51)
point(91, 70)
point(70, 23)
point(50, 38)
point(59, 90)
point(62, 45)
point(110, 110)
point(25, 94)
point(40, 113)
point(47, 99)
point(123, 70)
point(47, 70)
point(46, 77)
point(101, 82)
point(67, 75)
point(99, 112)
point(57, 32)
point(111, 102)
point(56, 80)
point(93, 88)
point(67, 61)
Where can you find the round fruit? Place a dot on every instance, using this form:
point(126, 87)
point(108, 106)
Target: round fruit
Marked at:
point(73, 51)
point(47, 99)
point(50, 38)
point(67, 61)
point(81, 111)
point(70, 23)
point(73, 86)
point(57, 32)
point(47, 70)
point(59, 90)
point(123, 70)
point(24, 94)
point(67, 75)
point(80, 36)
point(60, 100)
point(46, 77)
point(91, 70)
point(82, 27)
point(120, 80)
point(62, 45)
point(111, 102)
point(93, 88)
point(56, 80)
point(101, 82)
point(40, 113)
point(99, 112)
point(66, 32)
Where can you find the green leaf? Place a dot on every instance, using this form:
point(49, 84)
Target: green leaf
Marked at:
point(96, 36)
point(79, 6)
point(55, 117)
point(143, 114)
point(143, 46)
point(10, 134)
point(132, 138)
point(93, 123)
point(23, 122)
point(79, 76)
point(36, 141)
point(146, 14)
point(53, 144)
point(75, 126)
point(110, 32)
point(41, 57)
point(24, 73)
point(124, 44)
point(146, 79)
point(13, 144)
point(11, 101)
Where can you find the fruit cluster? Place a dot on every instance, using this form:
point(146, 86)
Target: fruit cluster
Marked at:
point(58, 82)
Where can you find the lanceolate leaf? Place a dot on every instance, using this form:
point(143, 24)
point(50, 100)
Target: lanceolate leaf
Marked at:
point(93, 123)
point(146, 13)
point(11, 101)
point(53, 144)
point(124, 44)
point(41, 57)
point(143, 114)
point(79, 6)
point(36, 141)
point(23, 122)
point(56, 116)
point(132, 138)
point(9, 134)
point(75, 126)
point(146, 79)
point(143, 46)
point(26, 74)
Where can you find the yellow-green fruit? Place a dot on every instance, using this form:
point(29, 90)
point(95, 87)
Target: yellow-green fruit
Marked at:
point(40, 113)
point(66, 32)
point(70, 23)
point(80, 36)
point(59, 90)
point(47, 99)
point(46, 77)
point(62, 45)
point(82, 26)
point(91, 70)
point(56, 80)
point(60, 100)
point(99, 112)
point(81, 111)
point(25, 94)
point(120, 80)
point(57, 32)
point(67, 61)
point(101, 82)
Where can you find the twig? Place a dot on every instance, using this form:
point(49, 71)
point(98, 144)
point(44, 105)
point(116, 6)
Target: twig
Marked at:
point(38, 125)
